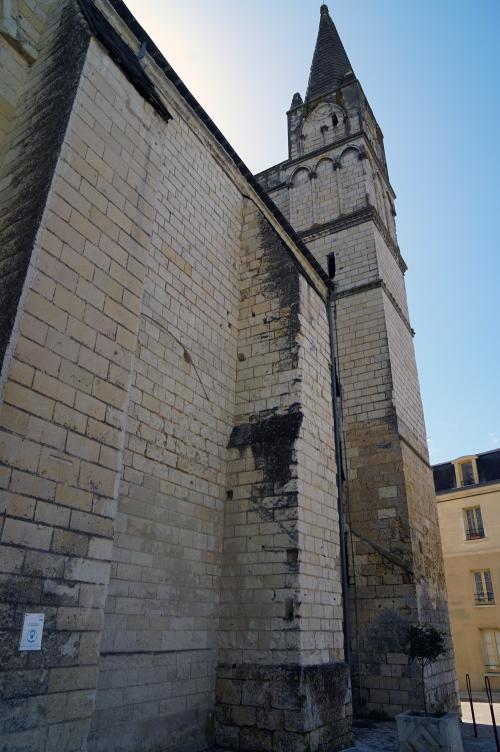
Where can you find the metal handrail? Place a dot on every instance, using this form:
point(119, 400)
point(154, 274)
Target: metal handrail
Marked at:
point(469, 690)
point(489, 695)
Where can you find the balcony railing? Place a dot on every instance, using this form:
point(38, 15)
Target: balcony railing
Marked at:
point(474, 533)
point(484, 599)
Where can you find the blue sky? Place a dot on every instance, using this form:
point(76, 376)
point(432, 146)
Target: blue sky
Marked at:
point(431, 72)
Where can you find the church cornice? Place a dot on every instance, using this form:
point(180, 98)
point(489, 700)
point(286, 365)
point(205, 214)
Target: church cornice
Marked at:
point(368, 214)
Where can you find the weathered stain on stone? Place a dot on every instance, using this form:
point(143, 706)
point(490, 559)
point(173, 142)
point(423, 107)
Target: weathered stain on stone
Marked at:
point(24, 200)
point(280, 278)
point(268, 430)
point(272, 441)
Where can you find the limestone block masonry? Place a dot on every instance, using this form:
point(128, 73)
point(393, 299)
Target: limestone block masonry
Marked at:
point(283, 682)
point(335, 191)
point(169, 482)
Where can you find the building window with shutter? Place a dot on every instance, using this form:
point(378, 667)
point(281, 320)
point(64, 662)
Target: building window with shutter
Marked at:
point(491, 650)
point(474, 528)
point(484, 595)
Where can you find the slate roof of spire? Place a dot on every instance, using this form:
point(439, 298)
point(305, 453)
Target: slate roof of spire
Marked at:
point(330, 62)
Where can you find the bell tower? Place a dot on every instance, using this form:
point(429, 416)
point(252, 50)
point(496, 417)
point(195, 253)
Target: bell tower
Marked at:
point(334, 189)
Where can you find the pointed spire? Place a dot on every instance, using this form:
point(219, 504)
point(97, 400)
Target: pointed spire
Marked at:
point(330, 63)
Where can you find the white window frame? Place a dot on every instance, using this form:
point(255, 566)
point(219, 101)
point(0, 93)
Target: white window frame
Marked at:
point(491, 650)
point(482, 594)
point(468, 460)
point(468, 532)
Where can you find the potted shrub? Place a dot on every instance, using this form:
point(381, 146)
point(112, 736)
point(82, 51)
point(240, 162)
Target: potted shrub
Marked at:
point(423, 731)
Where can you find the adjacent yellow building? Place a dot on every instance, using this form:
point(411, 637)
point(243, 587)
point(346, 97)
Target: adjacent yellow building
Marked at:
point(468, 501)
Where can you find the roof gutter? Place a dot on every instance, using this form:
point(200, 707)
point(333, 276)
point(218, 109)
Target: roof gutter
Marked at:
point(341, 477)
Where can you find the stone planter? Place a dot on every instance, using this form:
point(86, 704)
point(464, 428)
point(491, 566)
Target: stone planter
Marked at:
point(418, 732)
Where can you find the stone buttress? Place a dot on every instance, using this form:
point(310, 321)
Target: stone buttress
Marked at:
point(335, 190)
point(282, 682)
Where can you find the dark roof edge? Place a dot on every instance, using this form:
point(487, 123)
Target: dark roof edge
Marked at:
point(153, 51)
point(473, 454)
point(122, 55)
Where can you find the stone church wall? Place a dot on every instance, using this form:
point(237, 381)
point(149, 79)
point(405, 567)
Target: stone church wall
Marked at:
point(34, 131)
point(392, 274)
point(167, 456)
point(392, 527)
point(354, 252)
point(22, 30)
point(406, 391)
point(441, 680)
point(281, 198)
point(65, 402)
point(120, 393)
point(158, 650)
point(281, 609)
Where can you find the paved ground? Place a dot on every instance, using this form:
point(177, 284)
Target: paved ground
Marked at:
point(381, 737)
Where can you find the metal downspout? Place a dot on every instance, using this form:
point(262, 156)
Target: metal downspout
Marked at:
point(340, 476)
